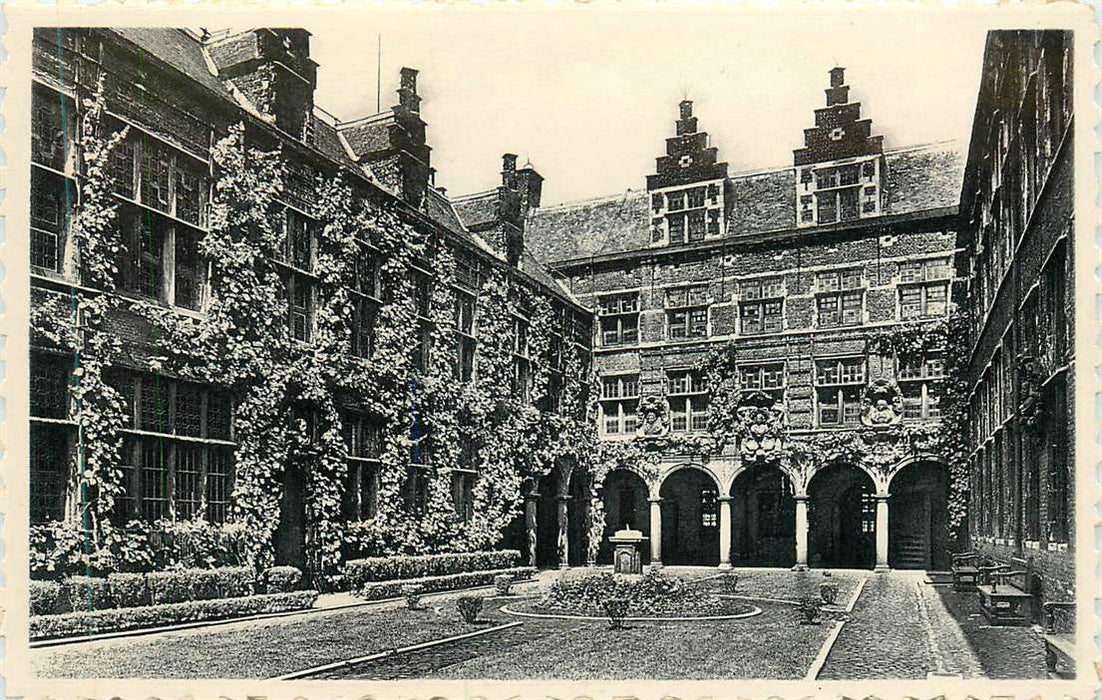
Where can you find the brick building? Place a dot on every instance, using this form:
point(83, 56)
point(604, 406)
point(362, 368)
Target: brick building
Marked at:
point(178, 93)
point(1018, 209)
point(805, 269)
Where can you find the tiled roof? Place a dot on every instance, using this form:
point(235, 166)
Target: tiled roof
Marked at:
point(477, 210)
point(368, 135)
point(176, 48)
point(328, 142)
point(442, 211)
point(594, 227)
point(919, 179)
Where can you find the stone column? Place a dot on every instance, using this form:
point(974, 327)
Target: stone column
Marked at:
point(656, 532)
point(564, 529)
point(530, 502)
point(801, 533)
point(725, 532)
point(881, 533)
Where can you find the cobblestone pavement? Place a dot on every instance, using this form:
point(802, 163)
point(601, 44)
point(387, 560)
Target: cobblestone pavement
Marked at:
point(1003, 652)
point(899, 629)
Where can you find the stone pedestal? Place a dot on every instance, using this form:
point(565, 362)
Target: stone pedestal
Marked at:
point(627, 557)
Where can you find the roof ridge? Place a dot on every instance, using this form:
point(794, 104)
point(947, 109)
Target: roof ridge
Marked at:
point(592, 200)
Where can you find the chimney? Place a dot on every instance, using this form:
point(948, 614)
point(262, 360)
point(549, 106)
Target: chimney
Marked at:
point(509, 171)
point(686, 108)
point(530, 186)
point(408, 98)
point(273, 69)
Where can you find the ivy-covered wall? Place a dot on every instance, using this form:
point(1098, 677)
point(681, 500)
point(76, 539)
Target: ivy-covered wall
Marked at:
point(293, 390)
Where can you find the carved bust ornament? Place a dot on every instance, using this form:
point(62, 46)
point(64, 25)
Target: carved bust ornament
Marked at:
point(882, 404)
point(653, 411)
point(760, 427)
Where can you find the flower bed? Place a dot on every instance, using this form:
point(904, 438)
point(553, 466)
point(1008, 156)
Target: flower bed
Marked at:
point(653, 594)
point(358, 572)
point(122, 619)
point(377, 590)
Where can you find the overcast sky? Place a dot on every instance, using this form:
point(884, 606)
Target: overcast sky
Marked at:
point(590, 95)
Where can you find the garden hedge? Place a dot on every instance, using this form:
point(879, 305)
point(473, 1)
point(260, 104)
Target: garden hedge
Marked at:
point(377, 590)
point(359, 572)
point(121, 619)
point(86, 593)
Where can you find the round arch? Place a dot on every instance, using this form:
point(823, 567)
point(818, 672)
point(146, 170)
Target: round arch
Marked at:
point(763, 517)
point(625, 496)
point(918, 516)
point(690, 516)
point(686, 466)
point(841, 517)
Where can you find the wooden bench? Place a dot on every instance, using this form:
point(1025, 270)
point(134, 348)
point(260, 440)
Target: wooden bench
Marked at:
point(1059, 637)
point(1005, 594)
point(966, 571)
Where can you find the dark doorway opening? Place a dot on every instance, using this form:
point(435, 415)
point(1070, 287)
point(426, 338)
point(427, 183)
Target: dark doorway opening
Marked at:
point(842, 518)
point(626, 506)
point(690, 518)
point(763, 519)
point(918, 518)
point(290, 536)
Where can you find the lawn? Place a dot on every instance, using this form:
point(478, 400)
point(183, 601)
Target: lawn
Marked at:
point(780, 584)
point(261, 649)
point(770, 645)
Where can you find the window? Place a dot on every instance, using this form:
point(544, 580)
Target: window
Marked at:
point(687, 392)
point(299, 240)
point(219, 484)
point(154, 397)
point(656, 202)
point(189, 410)
point(49, 471)
point(687, 312)
point(367, 274)
point(838, 387)
point(50, 196)
point(297, 291)
point(364, 317)
point(463, 495)
point(695, 197)
point(156, 166)
point(920, 380)
point(675, 201)
point(122, 167)
point(49, 385)
point(49, 139)
point(189, 271)
point(144, 236)
point(188, 479)
point(925, 270)
point(619, 319)
point(677, 228)
point(923, 301)
point(521, 381)
point(153, 466)
point(709, 504)
point(619, 403)
point(766, 378)
point(363, 436)
point(761, 305)
point(839, 301)
point(465, 336)
point(696, 226)
point(190, 192)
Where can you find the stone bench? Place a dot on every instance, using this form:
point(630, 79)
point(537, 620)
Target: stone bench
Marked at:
point(1005, 597)
point(1059, 638)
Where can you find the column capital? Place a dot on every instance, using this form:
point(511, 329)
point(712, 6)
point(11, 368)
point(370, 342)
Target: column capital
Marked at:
point(561, 498)
point(533, 496)
point(801, 497)
point(655, 500)
point(883, 496)
point(725, 499)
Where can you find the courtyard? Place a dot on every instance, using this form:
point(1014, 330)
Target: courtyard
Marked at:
point(882, 625)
